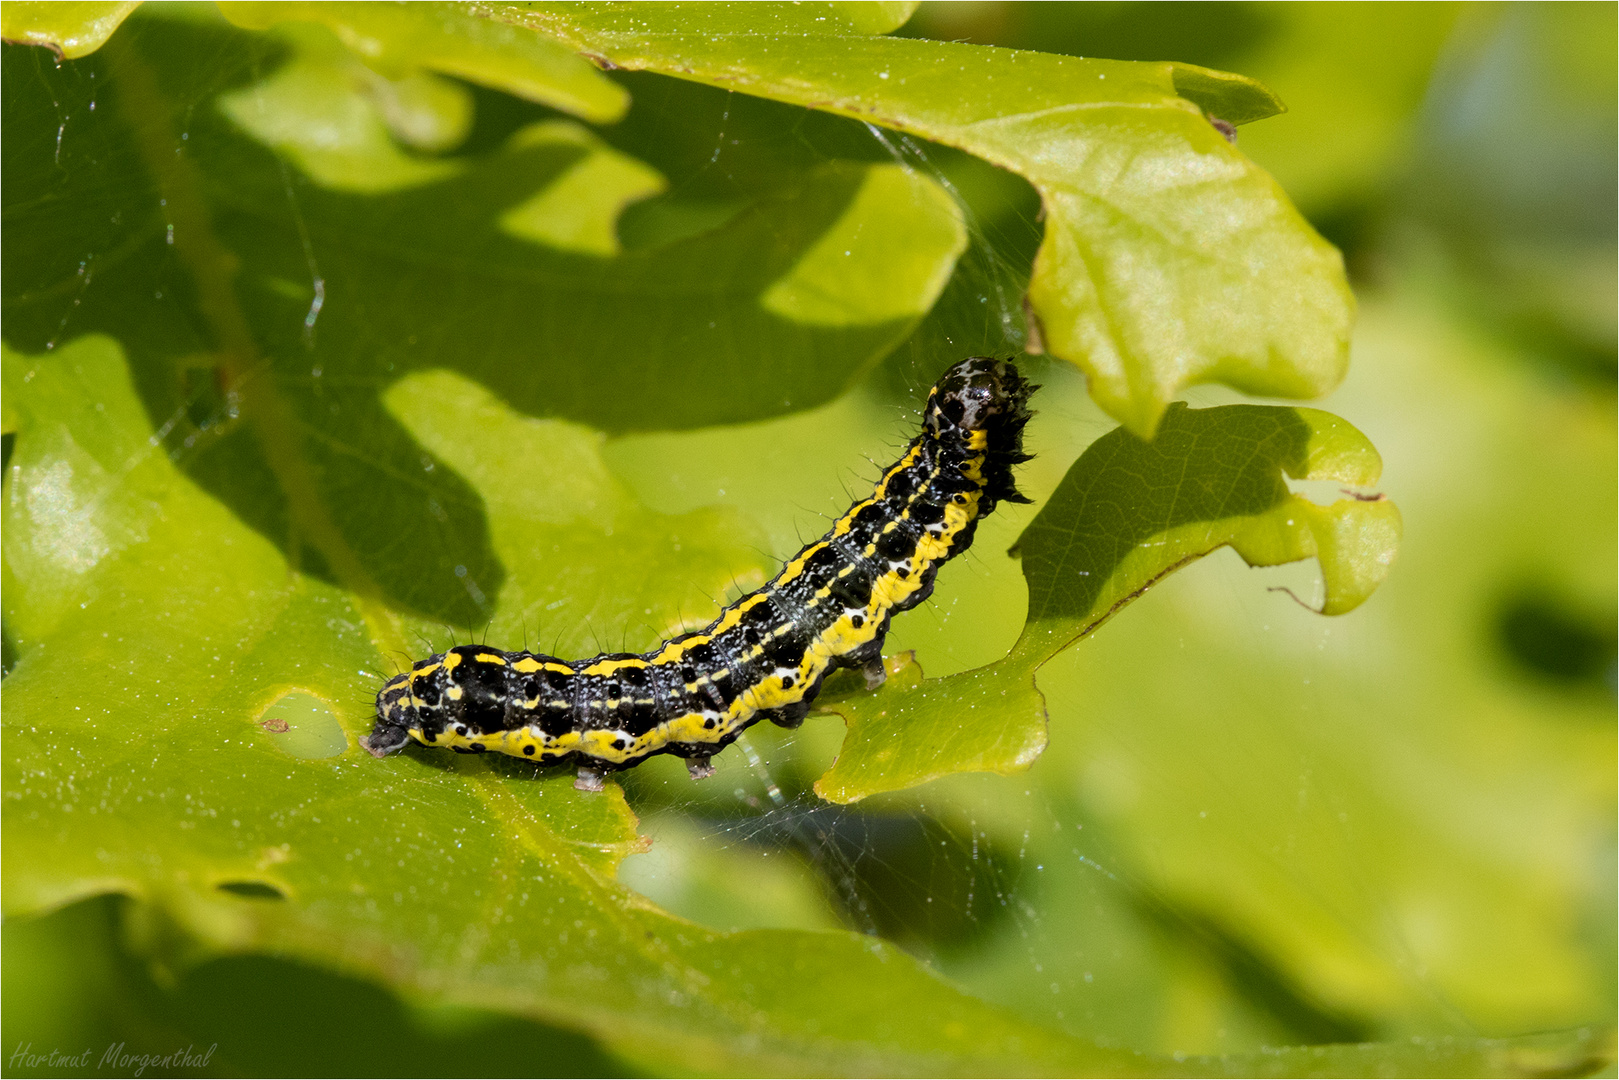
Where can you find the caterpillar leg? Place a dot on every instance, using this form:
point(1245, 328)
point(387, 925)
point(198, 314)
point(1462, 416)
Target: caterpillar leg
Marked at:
point(868, 659)
point(788, 716)
point(874, 672)
point(588, 779)
point(700, 768)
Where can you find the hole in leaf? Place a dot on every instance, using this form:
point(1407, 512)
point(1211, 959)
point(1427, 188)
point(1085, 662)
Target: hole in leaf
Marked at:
point(304, 726)
point(251, 890)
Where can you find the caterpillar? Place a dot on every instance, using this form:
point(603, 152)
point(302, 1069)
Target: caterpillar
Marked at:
point(766, 655)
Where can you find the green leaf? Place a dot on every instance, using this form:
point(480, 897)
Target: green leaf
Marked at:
point(383, 262)
point(326, 113)
point(69, 29)
point(399, 39)
point(1391, 808)
point(433, 873)
point(579, 211)
point(1233, 98)
point(1168, 259)
point(875, 16)
point(1354, 84)
point(369, 401)
point(578, 550)
point(1127, 514)
point(1370, 821)
point(1582, 1052)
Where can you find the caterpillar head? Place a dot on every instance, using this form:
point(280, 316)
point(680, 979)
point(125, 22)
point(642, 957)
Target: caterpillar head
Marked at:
point(980, 393)
point(391, 732)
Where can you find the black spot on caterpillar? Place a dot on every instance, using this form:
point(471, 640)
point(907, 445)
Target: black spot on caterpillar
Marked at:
point(766, 655)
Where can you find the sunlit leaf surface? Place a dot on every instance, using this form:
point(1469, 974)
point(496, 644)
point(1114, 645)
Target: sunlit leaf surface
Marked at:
point(398, 39)
point(70, 29)
point(1168, 257)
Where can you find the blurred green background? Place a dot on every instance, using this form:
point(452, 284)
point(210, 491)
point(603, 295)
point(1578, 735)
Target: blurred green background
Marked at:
point(1256, 826)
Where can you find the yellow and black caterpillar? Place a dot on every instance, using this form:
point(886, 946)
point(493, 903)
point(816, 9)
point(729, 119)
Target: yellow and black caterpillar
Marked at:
point(766, 655)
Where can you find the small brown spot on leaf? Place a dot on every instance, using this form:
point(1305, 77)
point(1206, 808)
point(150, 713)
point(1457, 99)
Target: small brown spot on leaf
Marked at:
point(1226, 128)
point(275, 724)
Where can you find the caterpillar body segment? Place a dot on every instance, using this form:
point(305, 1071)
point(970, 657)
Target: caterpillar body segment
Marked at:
point(766, 655)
